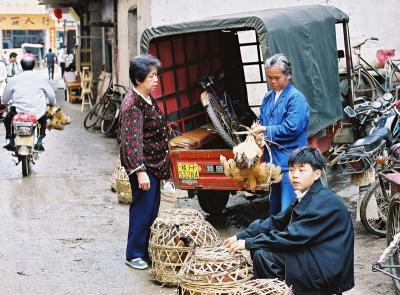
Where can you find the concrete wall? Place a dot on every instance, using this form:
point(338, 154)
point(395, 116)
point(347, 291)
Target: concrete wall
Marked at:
point(367, 18)
point(21, 6)
point(143, 21)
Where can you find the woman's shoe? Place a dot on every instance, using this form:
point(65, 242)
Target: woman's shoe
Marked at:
point(137, 263)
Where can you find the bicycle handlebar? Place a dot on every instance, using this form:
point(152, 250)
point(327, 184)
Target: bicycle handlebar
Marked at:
point(357, 46)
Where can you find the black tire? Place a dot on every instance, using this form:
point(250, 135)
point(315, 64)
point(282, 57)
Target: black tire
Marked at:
point(212, 202)
point(374, 210)
point(26, 169)
point(110, 118)
point(364, 85)
point(222, 122)
point(393, 227)
point(92, 116)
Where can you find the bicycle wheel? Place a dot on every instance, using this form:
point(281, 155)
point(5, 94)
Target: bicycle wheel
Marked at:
point(374, 209)
point(110, 117)
point(393, 227)
point(222, 123)
point(364, 85)
point(394, 78)
point(92, 116)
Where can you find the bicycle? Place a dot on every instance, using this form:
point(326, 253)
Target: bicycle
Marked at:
point(366, 84)
point(104, 114)
point(226, 114)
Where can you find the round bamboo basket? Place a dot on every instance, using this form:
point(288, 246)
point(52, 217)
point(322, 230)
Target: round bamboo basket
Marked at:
point(172, 238)
point(123, 188)
point(213, 271)
point(117, 170)
point(265, 287)
point(190, 214)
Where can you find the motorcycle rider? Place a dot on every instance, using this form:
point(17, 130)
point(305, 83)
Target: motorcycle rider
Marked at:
point(27, 92)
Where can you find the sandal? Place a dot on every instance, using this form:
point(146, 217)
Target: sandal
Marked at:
point(137, 263)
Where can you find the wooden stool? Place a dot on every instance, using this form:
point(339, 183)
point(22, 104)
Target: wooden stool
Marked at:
point(72, 86)
point(86, 85)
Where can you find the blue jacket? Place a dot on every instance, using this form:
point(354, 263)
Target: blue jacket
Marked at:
point(286, 122)
point(317, 237)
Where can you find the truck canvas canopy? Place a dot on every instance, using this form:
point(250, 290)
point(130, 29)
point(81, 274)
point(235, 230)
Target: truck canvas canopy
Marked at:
point(306, 34)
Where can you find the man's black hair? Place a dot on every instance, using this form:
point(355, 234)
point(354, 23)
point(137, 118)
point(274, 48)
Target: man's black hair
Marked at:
point(307, 155)
point(13, 54)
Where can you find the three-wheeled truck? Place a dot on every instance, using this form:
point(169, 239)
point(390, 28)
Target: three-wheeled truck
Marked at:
point(237, 45)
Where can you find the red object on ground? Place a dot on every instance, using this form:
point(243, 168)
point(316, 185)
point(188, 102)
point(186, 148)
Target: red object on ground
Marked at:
point(383, 55)
point(25, 117)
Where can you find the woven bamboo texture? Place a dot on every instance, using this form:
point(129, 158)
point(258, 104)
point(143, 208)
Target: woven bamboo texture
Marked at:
point(185, 213)
point(265, 287)
point(172, 239)
point(117, 170)
point(213, 271)
point(123, 188)
point(168, 200)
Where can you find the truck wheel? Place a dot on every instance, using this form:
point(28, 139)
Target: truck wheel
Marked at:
point(213, 202)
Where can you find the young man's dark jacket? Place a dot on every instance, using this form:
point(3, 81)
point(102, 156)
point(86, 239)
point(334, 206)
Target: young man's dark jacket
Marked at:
point(317, 237)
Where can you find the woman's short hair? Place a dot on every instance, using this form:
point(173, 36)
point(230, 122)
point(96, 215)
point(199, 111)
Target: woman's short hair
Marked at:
point(307, 155)
point(141, 66)
point(282, 62)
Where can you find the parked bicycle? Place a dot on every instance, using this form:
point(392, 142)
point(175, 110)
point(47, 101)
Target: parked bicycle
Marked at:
point(104, 114)
point(377, 83)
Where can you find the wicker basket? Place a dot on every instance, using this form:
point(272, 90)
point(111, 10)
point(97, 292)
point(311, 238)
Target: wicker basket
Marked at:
point(117, 171)
point(172, 238)
point(168, 200)
point(123, 188)
point(213, 271)
point(265, 287)
point(190, 214)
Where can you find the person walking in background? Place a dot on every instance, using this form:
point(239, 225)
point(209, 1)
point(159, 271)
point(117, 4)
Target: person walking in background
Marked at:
point(144, 155)
point(62, 57)
point(50, 58)
point(13, 66)
point(284, 115)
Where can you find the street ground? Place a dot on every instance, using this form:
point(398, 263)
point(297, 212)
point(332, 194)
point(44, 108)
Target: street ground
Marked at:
point(64, 232)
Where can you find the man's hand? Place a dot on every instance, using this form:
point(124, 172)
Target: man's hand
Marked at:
point(257, 129)
point(237, 246)
point(143, 180)
point(229, 241)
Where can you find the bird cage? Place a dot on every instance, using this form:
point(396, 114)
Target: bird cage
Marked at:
point(265, 287)
point(214, 271)
point(172, 238)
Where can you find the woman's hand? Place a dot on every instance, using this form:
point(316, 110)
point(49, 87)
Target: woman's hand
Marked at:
point(143, 180)
point(257, 129)
point(237, 246)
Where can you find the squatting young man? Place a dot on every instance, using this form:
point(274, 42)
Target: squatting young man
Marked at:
point(310, 245)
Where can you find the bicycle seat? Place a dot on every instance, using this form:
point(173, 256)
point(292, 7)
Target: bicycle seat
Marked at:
point(372, 141)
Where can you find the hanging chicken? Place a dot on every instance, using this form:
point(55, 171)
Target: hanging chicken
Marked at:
point(246, 166)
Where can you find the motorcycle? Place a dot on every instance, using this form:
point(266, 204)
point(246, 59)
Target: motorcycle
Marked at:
point(373, 153)
point(25, 128)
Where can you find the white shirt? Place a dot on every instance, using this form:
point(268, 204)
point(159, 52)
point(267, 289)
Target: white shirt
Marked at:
point(146, 99)
point(62, 55)
point(300, 195)
point(17, 69)
point(277, 94)
point(29, 92)
point(3, 77)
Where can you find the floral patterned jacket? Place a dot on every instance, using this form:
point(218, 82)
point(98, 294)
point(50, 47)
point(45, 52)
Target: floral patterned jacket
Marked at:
point(143, 137)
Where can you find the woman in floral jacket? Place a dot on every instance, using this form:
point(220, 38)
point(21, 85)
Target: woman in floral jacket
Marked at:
point(144, 154)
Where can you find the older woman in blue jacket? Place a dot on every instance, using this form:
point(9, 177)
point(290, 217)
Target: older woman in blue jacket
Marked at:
point(284, 118)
